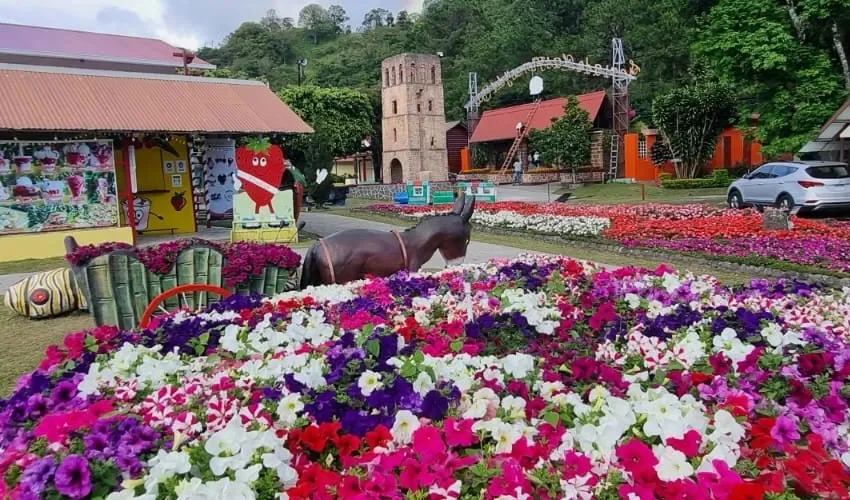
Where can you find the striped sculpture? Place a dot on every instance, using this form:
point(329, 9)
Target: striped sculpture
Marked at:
point(46, 294)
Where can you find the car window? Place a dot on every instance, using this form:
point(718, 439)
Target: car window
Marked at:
point(783, 170)
point(829, 172)
point(763, 172)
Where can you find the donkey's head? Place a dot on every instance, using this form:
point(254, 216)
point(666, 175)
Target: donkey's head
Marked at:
point(456, 230)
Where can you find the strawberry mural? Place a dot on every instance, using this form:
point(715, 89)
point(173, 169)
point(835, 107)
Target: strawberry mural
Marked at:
point(178, 201)
point(260, 167)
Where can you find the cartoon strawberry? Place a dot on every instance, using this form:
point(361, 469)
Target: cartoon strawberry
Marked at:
point(178, 201)
point(260, 167)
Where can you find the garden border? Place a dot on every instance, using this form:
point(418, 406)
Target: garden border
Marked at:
point(768, 272)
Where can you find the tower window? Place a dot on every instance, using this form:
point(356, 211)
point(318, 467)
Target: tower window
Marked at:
point(432, 141)
point(412, 72)
point(400, 73)
point(418, 108)
point(395, 107)
point(394, 80)
point(395, 135)
point(430, 105)
point(433, 74)
point(386, 78)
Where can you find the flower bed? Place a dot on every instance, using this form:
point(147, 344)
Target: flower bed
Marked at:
point(695, 229)
point(119, 281)
point(536, 378)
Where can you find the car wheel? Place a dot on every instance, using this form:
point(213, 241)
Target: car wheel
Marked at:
point(735, 201)
point(785, 202)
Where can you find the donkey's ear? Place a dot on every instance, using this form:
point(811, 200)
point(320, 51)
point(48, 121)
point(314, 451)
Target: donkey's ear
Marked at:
point(468, 209)
point(460, 203)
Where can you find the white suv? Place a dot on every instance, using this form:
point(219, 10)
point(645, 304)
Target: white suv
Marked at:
point(810, 186)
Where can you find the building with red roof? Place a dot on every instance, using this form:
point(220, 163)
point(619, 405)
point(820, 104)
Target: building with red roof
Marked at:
point(42, 46)
point(500, 124)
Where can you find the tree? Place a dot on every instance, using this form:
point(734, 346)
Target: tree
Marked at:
point(316, 20)
point(691, 118)
point(337, 17)
point(403, 20)
point(754, 46)
point(374, 19)
point(567, 142)
point(340, 117)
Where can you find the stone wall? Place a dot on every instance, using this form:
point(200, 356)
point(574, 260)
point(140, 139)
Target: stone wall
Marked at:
point(385, 192)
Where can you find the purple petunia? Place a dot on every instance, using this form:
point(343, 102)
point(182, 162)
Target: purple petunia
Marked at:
point(38, 474)
point(73, 477)
point(785, 431)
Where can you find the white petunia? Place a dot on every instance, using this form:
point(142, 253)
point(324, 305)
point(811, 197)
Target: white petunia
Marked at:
point(288, 408)
point(731, 346)
point(423, 383)
point(518, 365)
point(404, 426)
point(672, 464)
point(230, 340)
point(369, 382)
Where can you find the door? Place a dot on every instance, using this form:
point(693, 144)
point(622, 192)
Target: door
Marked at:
point(396, 172)
point(727, 152)
point(753, 189)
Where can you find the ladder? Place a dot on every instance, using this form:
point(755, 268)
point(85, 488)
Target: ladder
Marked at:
point(614, 165)
point(522, 135)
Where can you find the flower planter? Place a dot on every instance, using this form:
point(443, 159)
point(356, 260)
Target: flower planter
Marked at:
point(118, 286)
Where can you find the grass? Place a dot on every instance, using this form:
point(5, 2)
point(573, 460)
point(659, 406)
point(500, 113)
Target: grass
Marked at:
point(32, 265)
point(24, 341)
point(577, 252)
point(609, 194)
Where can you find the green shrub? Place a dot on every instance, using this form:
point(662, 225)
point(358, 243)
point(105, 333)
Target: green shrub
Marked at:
point(718, 179)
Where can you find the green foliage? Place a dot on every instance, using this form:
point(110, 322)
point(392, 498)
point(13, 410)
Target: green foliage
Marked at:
point(341, 119)
point(691, 119)
point(718, 179)
point(793, 84)
point(567, 142)
point(660, 153)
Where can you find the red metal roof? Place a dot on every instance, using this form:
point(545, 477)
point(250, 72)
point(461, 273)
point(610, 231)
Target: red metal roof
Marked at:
point(62, 43)
point(60, 99)
point(500, 124)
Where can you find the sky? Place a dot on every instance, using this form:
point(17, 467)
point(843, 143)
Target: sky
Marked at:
point(184, 23)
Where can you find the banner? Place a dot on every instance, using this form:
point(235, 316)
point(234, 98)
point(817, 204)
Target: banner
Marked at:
point(220, 167)
point(57, 185)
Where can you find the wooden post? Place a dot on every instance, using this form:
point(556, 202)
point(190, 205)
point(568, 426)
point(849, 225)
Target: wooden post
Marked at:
point(642, 191)
point(131, 212)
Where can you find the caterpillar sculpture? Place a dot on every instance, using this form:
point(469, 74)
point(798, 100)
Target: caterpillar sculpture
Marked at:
point(46, 294)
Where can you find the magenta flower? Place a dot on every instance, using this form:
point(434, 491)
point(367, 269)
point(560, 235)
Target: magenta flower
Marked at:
point(785, 431)
point(73, 477)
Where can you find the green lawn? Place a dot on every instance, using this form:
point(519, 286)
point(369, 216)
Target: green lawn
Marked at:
point(32, 265)
point(614, 193)
point(575, 251)
point(24, 341)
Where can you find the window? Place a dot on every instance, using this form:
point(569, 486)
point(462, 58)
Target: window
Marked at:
point(418, 108)
point(418, 191)
point(412, 72)
point(395, 107)
point(783, 170)
point(763, 172)
point(394, 80)
point(642, 147)
point(400, 73)
point(829, 172)
point(430, 105)
point(395, 135)
point(386, 78)
point(433, 74)
point(432, 142)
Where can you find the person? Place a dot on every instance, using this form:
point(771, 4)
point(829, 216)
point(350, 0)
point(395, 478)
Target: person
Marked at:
point(536, 159)
point(517, 171)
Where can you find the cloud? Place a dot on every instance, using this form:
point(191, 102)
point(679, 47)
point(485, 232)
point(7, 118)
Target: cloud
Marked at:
point(186, 23)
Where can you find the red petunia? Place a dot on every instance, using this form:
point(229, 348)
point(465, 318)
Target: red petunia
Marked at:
point(747, 491)
point(314, 439)
point(378, 437)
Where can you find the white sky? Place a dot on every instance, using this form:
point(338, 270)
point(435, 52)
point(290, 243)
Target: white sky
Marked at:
point(185, 23)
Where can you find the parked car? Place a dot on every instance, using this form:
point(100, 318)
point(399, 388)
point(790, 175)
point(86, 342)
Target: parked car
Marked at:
point(810, 186)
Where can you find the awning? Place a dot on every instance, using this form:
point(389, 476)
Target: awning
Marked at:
point(817, 147)
point(52, 99)
point(836, 123)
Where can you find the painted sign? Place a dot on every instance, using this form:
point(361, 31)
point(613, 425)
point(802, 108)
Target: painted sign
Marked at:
point(57, 185)
point(220, 169)
point(259, 173)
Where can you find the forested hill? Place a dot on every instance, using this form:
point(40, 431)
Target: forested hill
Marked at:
point(785, 59)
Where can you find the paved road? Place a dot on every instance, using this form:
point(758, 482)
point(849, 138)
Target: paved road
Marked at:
point(322, 225)
point(535, 194)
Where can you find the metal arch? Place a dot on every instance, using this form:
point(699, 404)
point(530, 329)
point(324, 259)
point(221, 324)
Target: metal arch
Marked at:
point(566, 63)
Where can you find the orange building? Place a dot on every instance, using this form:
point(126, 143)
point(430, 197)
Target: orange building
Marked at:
point(733, 149)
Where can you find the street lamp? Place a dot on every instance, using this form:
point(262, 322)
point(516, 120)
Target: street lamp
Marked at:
point(302, 63)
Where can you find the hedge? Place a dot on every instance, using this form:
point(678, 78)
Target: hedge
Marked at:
point(718, 179)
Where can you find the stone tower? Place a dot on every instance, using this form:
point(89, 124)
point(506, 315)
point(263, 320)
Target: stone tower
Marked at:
point(414, 121)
